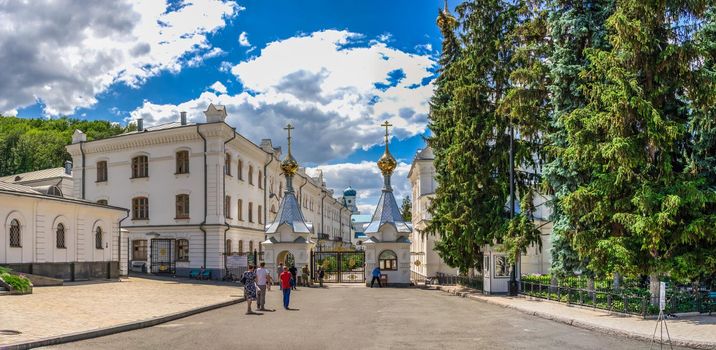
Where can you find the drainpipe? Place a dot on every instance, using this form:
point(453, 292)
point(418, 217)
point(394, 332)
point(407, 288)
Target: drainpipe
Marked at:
point(228, 226)
point(119, 246)
point(323, 213)
point(265, 189)
point(82, 150)
point(201, 226)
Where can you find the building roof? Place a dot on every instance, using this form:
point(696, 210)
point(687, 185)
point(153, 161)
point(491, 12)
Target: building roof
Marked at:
point(158, 127)
point(349, 192)
point(37, 192)
point(289, 213)
point(387, 212)
point(36, 175)
point(5, 186)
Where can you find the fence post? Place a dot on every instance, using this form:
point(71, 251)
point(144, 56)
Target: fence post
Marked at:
point(643, 307)
point(626, 309)
point(609, 301)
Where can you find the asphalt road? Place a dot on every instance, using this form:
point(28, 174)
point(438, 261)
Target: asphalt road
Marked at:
point(340, 317)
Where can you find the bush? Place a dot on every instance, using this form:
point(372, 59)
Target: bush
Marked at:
point(4, 270)
point(18, 283)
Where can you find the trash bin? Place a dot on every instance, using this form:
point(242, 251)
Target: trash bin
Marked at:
point(383, 279)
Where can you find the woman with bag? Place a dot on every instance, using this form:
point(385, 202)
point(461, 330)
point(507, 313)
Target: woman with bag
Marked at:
point(249, 281)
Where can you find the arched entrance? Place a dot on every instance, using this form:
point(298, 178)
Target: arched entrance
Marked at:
point(286, 258)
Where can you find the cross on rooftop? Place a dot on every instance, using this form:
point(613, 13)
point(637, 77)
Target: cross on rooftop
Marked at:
point(289, 127)
point(386, 125)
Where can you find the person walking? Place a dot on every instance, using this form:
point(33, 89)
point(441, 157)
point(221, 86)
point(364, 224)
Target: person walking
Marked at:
point(305, 275)
point(293, 272)
point(249, 281)
point(285, 281)
point(263, 278)
point(320, 276)
point(376, 277)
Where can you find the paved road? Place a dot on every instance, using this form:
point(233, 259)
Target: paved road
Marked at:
point(349, 317)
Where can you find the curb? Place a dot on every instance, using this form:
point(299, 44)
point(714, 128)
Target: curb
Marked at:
point(581, 324)
point(72, 337)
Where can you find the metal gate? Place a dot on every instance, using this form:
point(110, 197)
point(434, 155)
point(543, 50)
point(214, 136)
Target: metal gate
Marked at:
point(163, 256)
point(339, 266)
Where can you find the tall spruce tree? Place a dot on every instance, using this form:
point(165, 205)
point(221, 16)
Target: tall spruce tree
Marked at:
point(637, 206)
point(493, 81)
point(575, 26)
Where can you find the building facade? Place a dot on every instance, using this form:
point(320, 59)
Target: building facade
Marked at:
point(424, 260)
point(196, 192)
point(46, 233)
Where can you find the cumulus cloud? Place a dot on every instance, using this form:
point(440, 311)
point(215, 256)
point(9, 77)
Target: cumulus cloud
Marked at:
point(218, 87)
point(335, 88)
point(64, 53)
point(244, 39)
point(366, 179)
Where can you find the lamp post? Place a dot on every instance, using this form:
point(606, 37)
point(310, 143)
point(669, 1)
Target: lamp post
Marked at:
point(513, 276)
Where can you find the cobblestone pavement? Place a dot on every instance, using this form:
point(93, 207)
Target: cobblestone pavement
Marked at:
point(84, 306)
point(692, 331)
point(342, 317)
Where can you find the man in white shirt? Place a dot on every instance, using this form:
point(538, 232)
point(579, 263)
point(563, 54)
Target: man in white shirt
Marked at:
point(262, 278)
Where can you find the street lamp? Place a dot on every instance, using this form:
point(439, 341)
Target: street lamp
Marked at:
point(513, 276)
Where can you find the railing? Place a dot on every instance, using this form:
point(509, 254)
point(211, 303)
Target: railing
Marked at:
point(451, 280)
point(417, 277)
point(620, 300)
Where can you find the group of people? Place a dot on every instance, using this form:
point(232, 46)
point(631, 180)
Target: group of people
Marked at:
point(257, 282)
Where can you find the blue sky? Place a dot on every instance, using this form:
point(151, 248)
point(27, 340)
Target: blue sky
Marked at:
point(335, 69)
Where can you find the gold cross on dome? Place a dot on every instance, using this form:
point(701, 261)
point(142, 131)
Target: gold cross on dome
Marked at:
point(386, 125)
point(289, 127)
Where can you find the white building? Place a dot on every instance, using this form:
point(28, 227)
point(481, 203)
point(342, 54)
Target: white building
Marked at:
point(47, 233)
point(196, 192)
point(424, 260)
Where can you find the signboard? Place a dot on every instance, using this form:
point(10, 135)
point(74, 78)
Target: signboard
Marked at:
point(662, 296)
point(236, 261)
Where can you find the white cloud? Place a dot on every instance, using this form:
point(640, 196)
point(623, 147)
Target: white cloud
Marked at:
point(335, 95)
point(244, 39)
point(366, 179)
point(64, 53)
point(218, 87)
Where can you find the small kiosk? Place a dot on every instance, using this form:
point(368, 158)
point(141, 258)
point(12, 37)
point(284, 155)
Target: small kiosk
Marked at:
point(496, 271)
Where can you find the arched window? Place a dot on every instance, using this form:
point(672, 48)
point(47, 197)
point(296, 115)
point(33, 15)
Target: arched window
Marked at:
point(240, 169)
point(260, 214)
point(182, 250)
point(227, 249)
point(227, 165)
point(251, 174)
point(251, 211)
point(15, 234)
point(388, 260)
point(140, 166)
point(182, 162)
point(251, 246)
point(241, 247)
point(260, 179)
point(227, 207)
point(182, 206)
point(140, 208)
point(102, 201)
point(240, 205)
point(60, 234)
point(98, 238)
point(102, 171)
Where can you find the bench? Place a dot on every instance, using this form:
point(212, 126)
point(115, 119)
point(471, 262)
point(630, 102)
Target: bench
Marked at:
point(200, 275)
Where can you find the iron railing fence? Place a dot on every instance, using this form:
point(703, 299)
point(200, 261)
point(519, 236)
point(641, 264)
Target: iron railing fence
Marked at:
point(625, 300)
point(418, 278)
point(475, 282)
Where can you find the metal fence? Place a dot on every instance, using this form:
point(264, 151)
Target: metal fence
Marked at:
point(418, 278)
point(619, 300)
point(475, 282)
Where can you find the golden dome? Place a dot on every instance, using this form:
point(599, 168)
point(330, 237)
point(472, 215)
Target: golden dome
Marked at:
point(387, 163)
point(445, 21)
point(289, 165)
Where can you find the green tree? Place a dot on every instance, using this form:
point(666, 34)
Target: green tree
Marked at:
point(406, 209)
point(575, 26)
point(637, 207)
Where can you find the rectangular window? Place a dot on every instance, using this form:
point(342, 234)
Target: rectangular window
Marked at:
point(240, 204)
point(182, 162)
point(139, 250)
point(502, 269)
point(227, 165)
point(102, 201)
point(260, 180)
point(251, 212)
point(227, 207)
point(251, 174)
point(102, 171)
point(182, 250)
point(259, 215)
point(140, 166)
point(140, 208)
point(240, 169)
point(182, 206)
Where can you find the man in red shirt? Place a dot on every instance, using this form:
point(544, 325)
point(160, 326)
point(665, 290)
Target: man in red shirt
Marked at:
point(285, 278)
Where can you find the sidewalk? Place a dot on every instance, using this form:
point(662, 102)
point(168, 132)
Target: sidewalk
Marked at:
point(695, 331)
point(77, 308)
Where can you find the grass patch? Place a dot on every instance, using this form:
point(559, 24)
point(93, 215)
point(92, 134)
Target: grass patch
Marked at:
point(18, 283)
point(4, 270)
